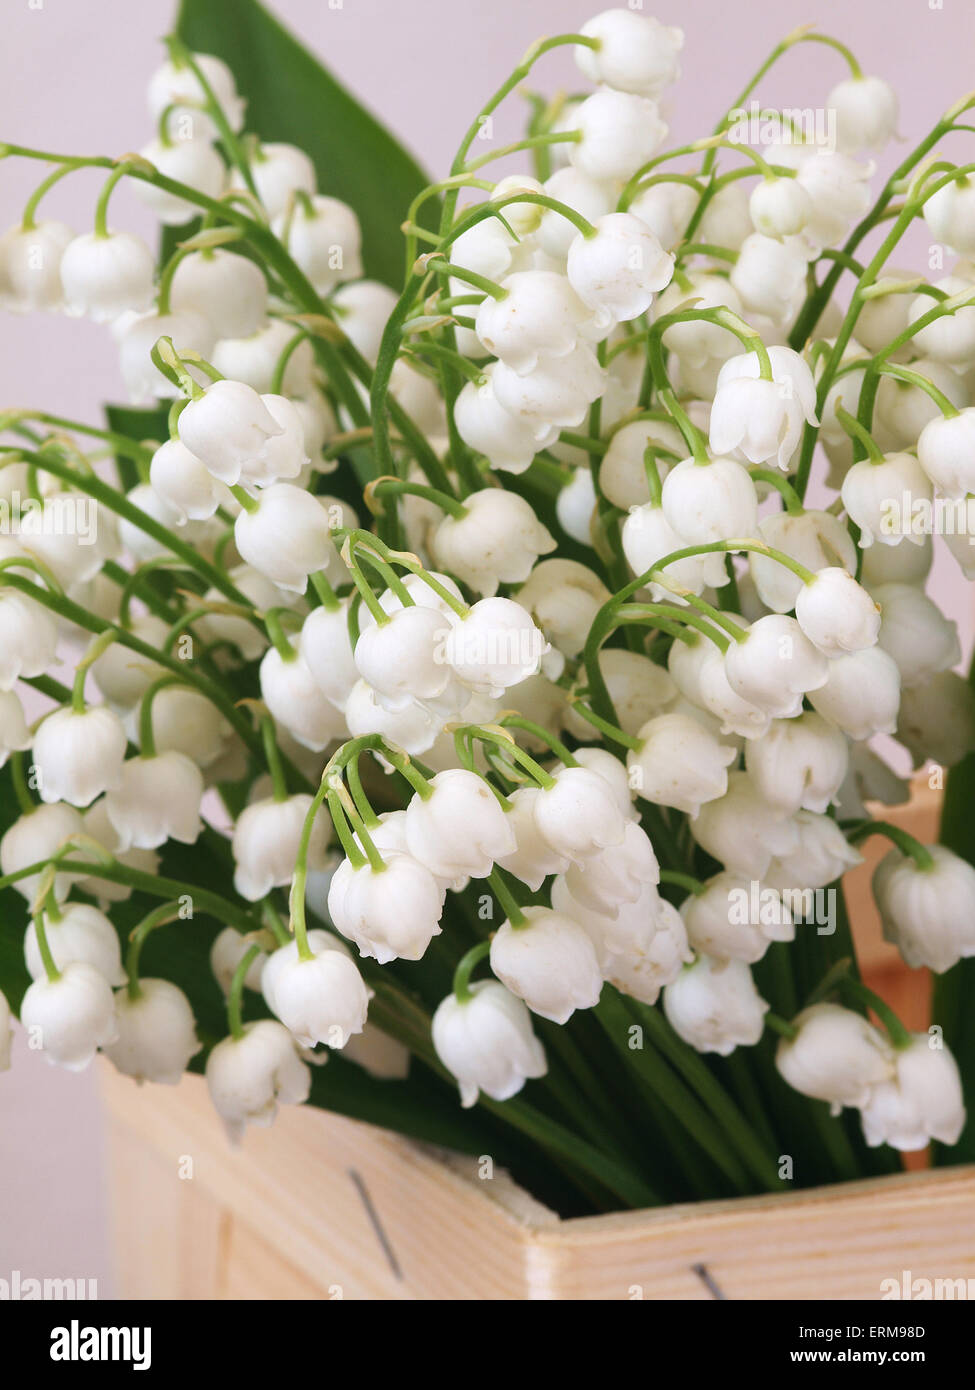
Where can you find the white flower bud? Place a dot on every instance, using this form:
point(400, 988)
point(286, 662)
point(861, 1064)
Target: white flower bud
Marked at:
point(950, 214)
point(28, 639)
point(497, 541)
point(248, 1077)
point(30, 266)
point(35, 837)
point(185, 484)
point(838, 193)
point(699, 672)
point(494, 647)
point(799, 764)
point(762, 419)
point(157, 799)
point(508, 443)
point(393, 914)
point(714, 1006)
point(412, 728)
point(81, 933)
point(636, 53)
point(946, 452)
point(576, 190)
point(105, 276)
point(619, 875)
point(228, 950)
point(679, 763)
point(770, 276)
point(193, 162)
point(549, 962)
point(775, 666)
point(487, 1042)
point(460, 829)
point(230, 291)
point(540, 316)
point(742, 831)
point(279, 172)
point(70, 1017)
point(326, 648)
point(836, 613)
point(228, 428)
point(289, 536)
point(254, 359)
point(363, 308)
point(324, 241)
point(321, 1000)
point(816, 539)
point(618, 271)
point(861, 693)
point(295, 700)
point(156, 1033)
point(175, 84)
point(579, 815)
point(558, 392)
point(950, 338)
point(779, 207)
point(265, 844)
point(923, 1102)
point(78, 754)
point(620, 133)
point(916, 633)
point(14, 733)
point(836, 1056)
point(736, 918)
point(666, 208)
point(708, 502)
point(532, 859)
point(866, 113)
point(928, 913)
point(405, 659)
point(820, 855)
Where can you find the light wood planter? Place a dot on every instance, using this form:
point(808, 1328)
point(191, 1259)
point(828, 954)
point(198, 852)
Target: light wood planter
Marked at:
point(323, 1207)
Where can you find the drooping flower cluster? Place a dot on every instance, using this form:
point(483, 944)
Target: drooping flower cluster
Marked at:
point(565, 673)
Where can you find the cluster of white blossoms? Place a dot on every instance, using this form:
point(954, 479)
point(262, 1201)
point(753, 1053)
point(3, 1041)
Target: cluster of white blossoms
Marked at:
point(567, 673)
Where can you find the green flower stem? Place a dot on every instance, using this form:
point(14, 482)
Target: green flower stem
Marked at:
point(612, 731)
point(772, 476)
point(326, 595)
point(337, 787)
point(462, 975)
point(782, 1026)
point(667, 619)
point(395, 487)
point(281, 366)
point(913, 378)
point(422, 349)
point(906, 843)
point(708, 610)
point(147, 737)
point(352, 851)
point(26, 562)
point(274, 620)
point(652, 473)
point(159, 916)
point(469, 277)
point(511, 749)
point(101, 207)
point(235, 994)
point(900, 1037)
point(364, 587)
point(507, 900)
point(275, 923)
point(679, 880)
point(362, 802)
point(272, 756)
point(860, 435)
point(43, 946)
point(182, 56)
point(516, 721)
point(95, 649)
point(19, 778)
point(28, 220)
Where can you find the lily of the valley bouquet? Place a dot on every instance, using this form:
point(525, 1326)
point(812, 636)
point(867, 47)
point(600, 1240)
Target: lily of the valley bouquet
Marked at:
point(452, 696)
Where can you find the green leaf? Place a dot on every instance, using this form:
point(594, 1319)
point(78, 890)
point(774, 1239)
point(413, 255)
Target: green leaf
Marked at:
point(291, 97)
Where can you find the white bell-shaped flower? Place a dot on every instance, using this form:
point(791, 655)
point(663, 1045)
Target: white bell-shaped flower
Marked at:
point(193, 162)
point(636, 53)
point(230, 291)
point(903, 409)
point(494, 647)
point(265, 844)
point(924, 1101)
point(648, 537)
point(666, 208)
point(698, 670)
point(122, 675)
point(459, 830)
point(540, 316)
point(14, 733)
point(532, 859)
point(820, 855)
point(713, 1006)
point(915, 632)
point(836, 613)
point(549, 962)
point(709, 502)
point(78, 754)
point(30, 267)
point(816, 539)
point(736, 918)
point(35, 837)
point(950, 338)
point(28, 639)
point(321, 1000)
point(289, 536)
point(486, 1041)
point(742, 831)
point(836, 1055)
point(324, 239)
point(928, 913)
point(563, 597)
point(584, 194)
point(509, 444)
point(407, 657)
point(175, 84)
point(775, 666)
point(185, 483)
point(248, 1077)
point(326, 648)
point(800, 764)
point(81, 933)
point(936, 720)
point(392, 914)
point(228, 428)
point(497, 541)
point(839, 194)
point(617, 271)
point(579, 815)
point(946, 452)
point(779, 207)
point(106, 276)
point(557, 392)
point(618, 875)
point(680, 763)
point(70, 1018)
point(861, 693)
point(254, 359)
point(949, 213)
point(414, 728)
point(187, 722)
point(763, 419)
point(157, 799)
point(866, 113)
point(279, 172)
point(295, 700)
point(156, 1033)
point(620, 133)
point(770, 275)
point(363, 308)
point(228, 950)
point(881, 499)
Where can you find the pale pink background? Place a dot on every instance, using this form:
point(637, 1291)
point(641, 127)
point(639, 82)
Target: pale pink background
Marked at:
point(72, 79)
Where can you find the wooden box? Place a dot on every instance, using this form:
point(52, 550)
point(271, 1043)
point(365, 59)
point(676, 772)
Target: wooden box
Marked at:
point(323, 1207)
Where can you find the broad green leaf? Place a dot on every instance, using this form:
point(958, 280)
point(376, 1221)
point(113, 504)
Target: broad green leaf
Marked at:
point(291, 97)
